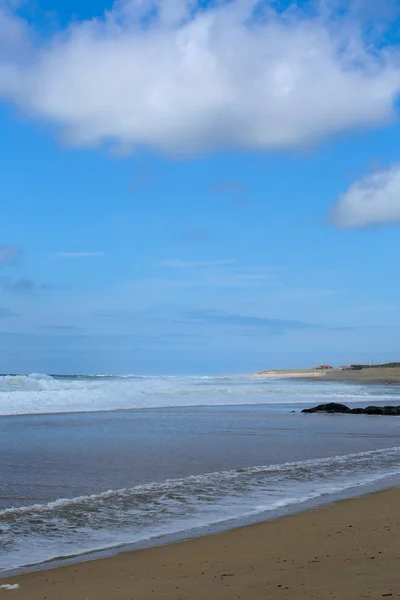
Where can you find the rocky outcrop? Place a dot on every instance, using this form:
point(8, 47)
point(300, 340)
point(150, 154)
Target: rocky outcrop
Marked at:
point(334, 407)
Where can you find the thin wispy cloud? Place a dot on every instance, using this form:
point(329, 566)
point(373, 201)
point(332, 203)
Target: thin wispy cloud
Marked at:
point(7, 313)
point(117, 313)
point(189, 264)
point(142, 180)
point(17, 286)
point(237, 75)
point(229, 186)
point(378, 308)
point(10, 255)
point(308, 293)
point(24, 286)
point(218, 317)
point(235, 190)
point(197, 235)
point(80, 254)
point(228, 273)
point(60, 327)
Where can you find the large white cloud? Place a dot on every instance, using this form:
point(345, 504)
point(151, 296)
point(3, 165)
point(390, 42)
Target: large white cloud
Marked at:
point(179, 80)
point(374, 200)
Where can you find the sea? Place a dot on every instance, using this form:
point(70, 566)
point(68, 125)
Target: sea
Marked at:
point(99, 464)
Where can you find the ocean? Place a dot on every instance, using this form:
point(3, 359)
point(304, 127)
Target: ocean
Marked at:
point(92, 463)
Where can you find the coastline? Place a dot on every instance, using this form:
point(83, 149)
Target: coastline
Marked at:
point(288, 374)
point(369, 376)
point(372, 375)
point(298, 556)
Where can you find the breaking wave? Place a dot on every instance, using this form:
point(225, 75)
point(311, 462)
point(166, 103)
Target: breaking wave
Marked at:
point(40, 393)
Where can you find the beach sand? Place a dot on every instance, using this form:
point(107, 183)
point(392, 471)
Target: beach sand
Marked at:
point(372, 375)
point(349, 550)
point(288, 374)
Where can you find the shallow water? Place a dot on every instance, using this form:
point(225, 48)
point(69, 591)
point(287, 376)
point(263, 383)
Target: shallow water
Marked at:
point(74, 482)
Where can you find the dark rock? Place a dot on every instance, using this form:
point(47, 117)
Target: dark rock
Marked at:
point(332, 407)
point(391, 410)
point(373, 410)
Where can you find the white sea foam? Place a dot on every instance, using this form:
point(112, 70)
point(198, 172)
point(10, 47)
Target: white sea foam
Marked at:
point(116, 517)
point(39, 393)
point(9, 586)
point(315, 466)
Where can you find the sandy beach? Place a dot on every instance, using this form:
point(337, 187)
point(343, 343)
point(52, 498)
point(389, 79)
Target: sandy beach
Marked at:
point(371, 375)
point(349, 550)
point(289, 374)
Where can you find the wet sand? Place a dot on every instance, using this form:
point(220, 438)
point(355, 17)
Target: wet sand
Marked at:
point(349, 550)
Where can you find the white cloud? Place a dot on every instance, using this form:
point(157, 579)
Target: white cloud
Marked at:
point(80, 254)
point(179, 80)
point(373, 200)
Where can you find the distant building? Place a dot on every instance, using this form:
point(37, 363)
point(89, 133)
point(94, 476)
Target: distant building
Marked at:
point(324, 368)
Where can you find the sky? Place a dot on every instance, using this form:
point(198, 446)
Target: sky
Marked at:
point(198, 187)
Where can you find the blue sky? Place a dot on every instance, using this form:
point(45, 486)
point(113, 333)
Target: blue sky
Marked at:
point(210, 190)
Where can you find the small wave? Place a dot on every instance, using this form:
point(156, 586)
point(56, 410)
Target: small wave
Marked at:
point(299, 469)
point(72, 526)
